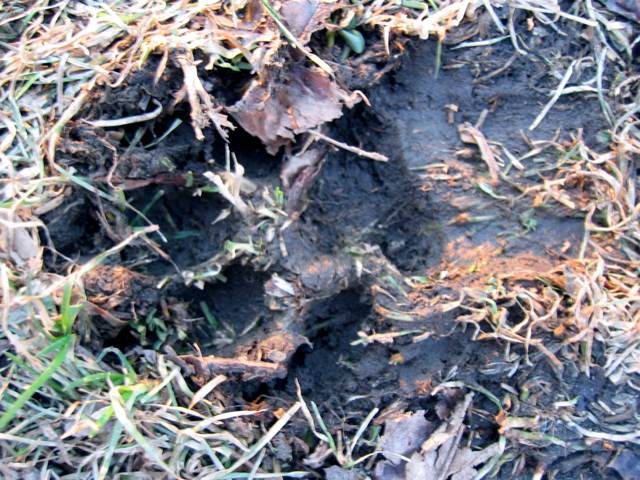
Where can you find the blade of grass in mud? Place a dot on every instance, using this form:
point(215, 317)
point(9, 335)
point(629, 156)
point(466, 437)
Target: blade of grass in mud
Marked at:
point(457, 384)
point(147, 208)
point(206, 389)
point(97, 378)
point(323, 427)
point(108, 455)
point(166, 381)
point(354, 39)
point(436, 70)
point(260, 444)
point(415, 4)
point(363, 426)
point(121, 413)
point(267, 475)
point(211, 319)
point(68, 312)
point(48, 372)
point(131, 373)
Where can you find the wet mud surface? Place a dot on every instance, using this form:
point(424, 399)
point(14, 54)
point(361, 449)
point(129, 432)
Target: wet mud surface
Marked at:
point(355, 235)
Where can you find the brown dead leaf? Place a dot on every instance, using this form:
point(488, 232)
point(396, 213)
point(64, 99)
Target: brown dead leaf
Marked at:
point(294, 164)
point(466, 459)
point(627, 464)
point(276, 110)
point(303, 17)
point(338, 473)
point(441, 456)
point(403, 434)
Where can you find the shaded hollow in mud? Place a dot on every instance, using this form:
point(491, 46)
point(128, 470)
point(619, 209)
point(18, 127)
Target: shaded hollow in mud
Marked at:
point(73, 230)
point(235, 306)
point(186, 221)
point(330, 367)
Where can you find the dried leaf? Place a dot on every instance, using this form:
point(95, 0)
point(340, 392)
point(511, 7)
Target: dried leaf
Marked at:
point(283, 285)
point(276, 111)
point(627, 464)
point(450, 429)
point(441, 457)
point(422, 466)
point(470, 134)
point(466, 458)
point(385, 470)
point(403, 434)
point(337, 473)
point(303, 17)
point(294, 164)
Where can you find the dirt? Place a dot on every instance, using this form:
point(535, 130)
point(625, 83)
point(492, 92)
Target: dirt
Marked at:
point(364, 226)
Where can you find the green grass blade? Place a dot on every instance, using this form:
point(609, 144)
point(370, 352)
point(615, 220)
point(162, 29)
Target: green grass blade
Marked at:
point(68, 312)
point(113, 442)
point(119, 409)
point(58, 360)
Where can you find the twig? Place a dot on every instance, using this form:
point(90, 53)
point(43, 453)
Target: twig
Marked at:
point(358, 151)
point(498, 71)
point(118, 122)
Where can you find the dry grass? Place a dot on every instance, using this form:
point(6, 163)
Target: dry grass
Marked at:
point(578, 305)
point(69, 414)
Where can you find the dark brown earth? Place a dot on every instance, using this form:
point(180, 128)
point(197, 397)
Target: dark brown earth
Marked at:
point(398, 219)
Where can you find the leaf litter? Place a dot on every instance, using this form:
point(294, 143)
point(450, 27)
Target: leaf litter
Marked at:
point(277, 110)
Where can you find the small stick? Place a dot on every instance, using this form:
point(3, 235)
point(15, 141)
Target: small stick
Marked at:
point(498, 71)
point(118, 122)
point(361, 153)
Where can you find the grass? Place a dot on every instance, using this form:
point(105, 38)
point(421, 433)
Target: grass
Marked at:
point(70, 412)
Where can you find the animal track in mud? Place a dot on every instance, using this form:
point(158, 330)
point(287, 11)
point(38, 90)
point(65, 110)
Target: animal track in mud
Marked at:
point(331, 325)
point(358, 211)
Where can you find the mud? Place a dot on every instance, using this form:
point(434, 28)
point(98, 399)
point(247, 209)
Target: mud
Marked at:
point(364, 226)
point(237, 305)
point(185, 220)
point(357, 200)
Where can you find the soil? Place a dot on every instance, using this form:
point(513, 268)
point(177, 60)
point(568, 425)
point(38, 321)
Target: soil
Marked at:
point(398, 218)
